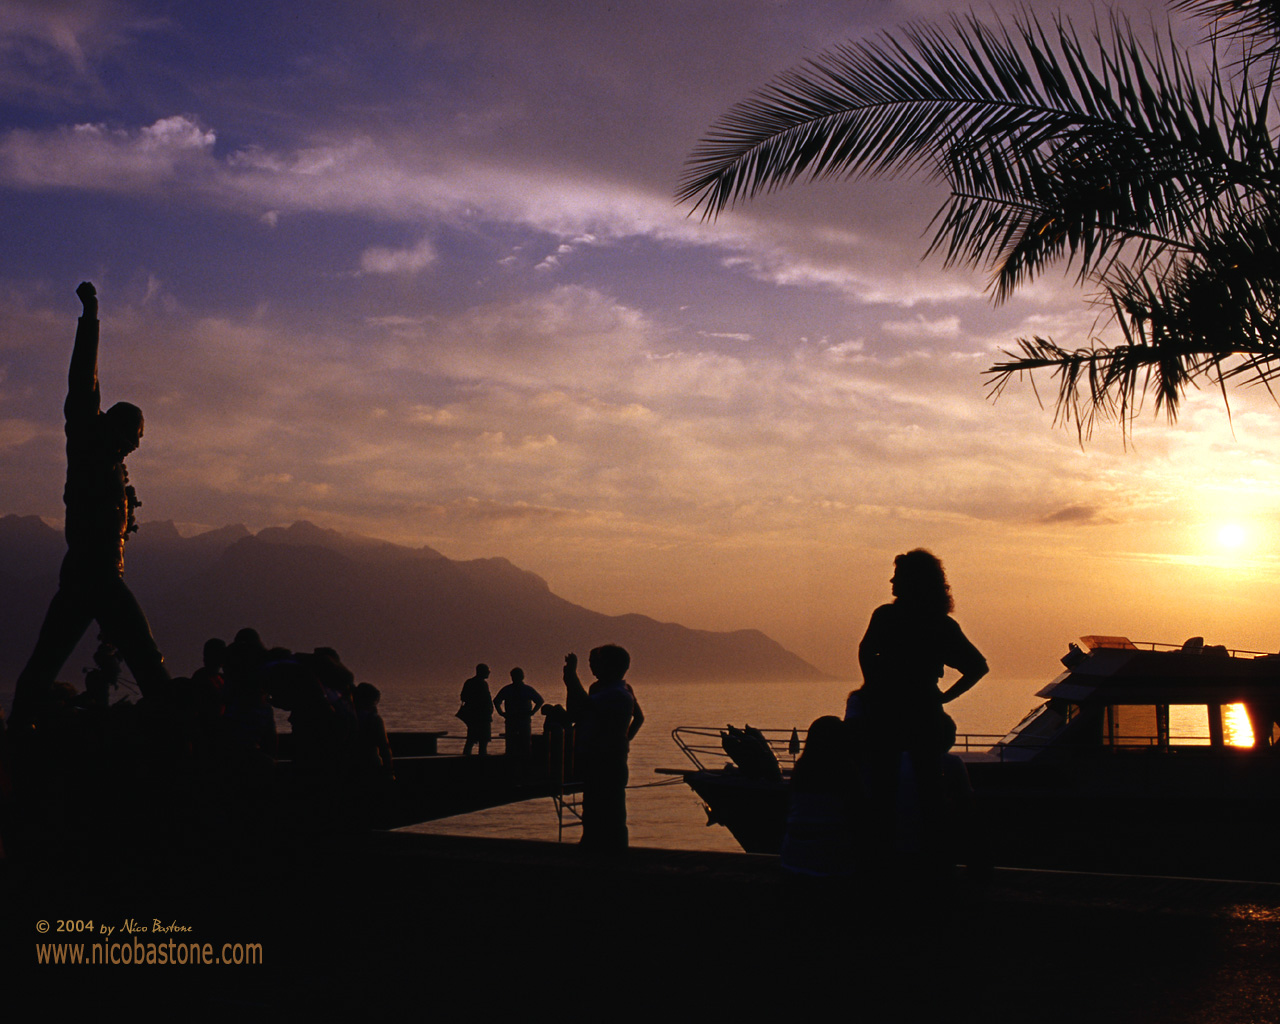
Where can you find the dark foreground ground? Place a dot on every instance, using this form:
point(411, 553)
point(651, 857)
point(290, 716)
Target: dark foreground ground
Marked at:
point(445, 927)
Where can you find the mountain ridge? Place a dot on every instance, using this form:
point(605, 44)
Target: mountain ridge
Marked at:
point(391, 611)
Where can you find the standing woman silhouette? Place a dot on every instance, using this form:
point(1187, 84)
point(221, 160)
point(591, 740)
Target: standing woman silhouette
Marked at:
point(907, 647)
point(898, 711)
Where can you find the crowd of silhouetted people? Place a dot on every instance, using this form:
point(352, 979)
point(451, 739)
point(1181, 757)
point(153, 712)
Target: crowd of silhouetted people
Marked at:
point(516, 704)
point(588, 738)
point(222, 716)
point(199, 754)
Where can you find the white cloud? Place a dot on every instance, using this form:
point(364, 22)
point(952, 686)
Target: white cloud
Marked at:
point(382, 260)
point(172, 133)
point(360, 175)
point(97, 158)
point(570, 336)
point(945, 328)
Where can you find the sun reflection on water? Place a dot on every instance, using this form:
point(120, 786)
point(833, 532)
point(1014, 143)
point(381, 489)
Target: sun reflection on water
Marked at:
point(1236, 729)
point(1189, 725)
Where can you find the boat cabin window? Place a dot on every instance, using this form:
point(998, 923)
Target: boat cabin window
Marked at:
point(1136, 725)
point(1189, 725)
point(1041, 724)
point(1177, 725)
point(1237, 730)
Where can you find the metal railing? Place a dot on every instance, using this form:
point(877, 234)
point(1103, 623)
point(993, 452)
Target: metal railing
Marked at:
point(1210, 650)
point(698, 742)
point(984, 742)
point(702, 745)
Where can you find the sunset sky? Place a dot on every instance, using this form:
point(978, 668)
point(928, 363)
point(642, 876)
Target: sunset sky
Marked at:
point(414, 270)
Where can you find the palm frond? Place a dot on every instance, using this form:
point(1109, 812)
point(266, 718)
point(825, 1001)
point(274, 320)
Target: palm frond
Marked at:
point(1213, 317)
point(1199, 156)
point(1054, 149)
point(1254, 23)
point(875, 107)
point(1101, 382)
point(1157, 183)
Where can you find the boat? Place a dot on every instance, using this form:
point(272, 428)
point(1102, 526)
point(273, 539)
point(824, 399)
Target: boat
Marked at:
point(1142, 757)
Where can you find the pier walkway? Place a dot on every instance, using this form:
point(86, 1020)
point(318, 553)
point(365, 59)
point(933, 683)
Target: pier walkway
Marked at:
point(473, 927)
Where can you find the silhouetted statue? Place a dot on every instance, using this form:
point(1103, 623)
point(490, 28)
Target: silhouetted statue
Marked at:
point(608, 716)
point(517, 703)
point(477, 710)
point(100, 515)
point(907, 647)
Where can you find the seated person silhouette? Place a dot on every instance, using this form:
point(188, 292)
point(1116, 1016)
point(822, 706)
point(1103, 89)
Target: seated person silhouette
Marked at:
point(823, 802)
point(100, 514)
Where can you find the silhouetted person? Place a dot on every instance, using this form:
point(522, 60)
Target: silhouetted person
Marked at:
point(517, 703)
point(557, 731)
point(339, 684)
point(477, 710)
point(250, 729)
point(907, 647)
point(97, 691)
point(209, 695)
point(822, 797)
point(375, 747)
point(608, 717)
point(209, 674)
point(100, 514)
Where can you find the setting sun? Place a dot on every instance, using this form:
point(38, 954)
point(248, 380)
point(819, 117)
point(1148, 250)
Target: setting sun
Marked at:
point(1232, 535)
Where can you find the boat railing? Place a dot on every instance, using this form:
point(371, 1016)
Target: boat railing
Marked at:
point(1000, 747)
point(702, 744)
point(1124, 643)
point(703, 747)
point(970, 742)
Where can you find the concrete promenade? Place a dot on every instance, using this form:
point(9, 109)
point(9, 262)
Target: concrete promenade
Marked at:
point(445, 926)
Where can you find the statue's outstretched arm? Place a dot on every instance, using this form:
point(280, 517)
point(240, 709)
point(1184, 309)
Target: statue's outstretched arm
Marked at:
point(83, 395)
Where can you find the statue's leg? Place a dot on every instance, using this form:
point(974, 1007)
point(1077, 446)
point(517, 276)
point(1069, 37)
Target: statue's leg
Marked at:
point(125, 626)
point(65, 623)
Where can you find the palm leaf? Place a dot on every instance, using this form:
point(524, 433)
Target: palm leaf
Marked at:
point(1161, 188)
point(1215, 317)
point(1053, 149)
point(1254, 23)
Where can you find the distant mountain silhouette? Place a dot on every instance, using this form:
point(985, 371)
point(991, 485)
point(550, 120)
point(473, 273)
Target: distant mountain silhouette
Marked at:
point(392, 612)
